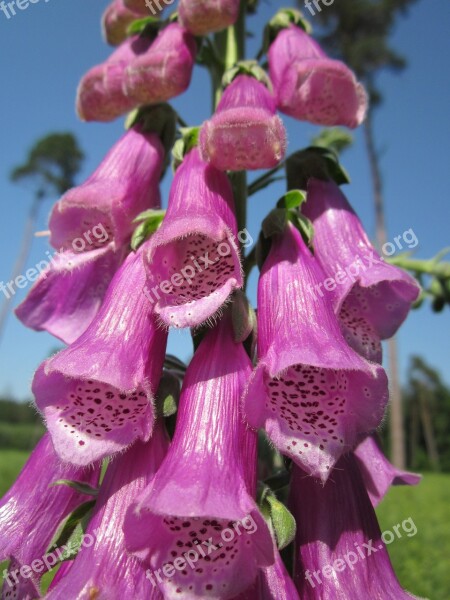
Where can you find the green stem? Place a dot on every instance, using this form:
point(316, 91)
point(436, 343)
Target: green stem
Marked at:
point(426, 267)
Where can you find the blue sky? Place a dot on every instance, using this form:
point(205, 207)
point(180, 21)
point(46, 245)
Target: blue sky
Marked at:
point(46, 48)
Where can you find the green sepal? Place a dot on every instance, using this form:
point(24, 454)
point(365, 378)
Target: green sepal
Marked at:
point(246, 67)
point(148, 222)
point(275, 222)
point(168, 395)
point(173, 363)
point(278, 517)
point(187, 141)
point(304, 226)
point(82, 488)
point(243, 317)
point(292, 199)
point(71, 530)
point(144, 25)
point(314, 162)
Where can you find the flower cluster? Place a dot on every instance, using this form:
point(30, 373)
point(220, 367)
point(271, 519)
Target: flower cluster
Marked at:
point(306, 371)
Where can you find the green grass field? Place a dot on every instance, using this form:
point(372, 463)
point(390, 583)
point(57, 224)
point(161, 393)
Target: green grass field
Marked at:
point(421, 561)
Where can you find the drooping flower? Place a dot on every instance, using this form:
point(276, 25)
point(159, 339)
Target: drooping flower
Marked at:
point(97, 394)
point(193, 258)
point(103, 568)
point(164, 70)
point(338, 545)
point(115, 21)
point(91, 225)
point(377, 472)
point(312, 87)
point(371, 297)
point(245, 131)
point(201, 17)
point(101, 95)
point(311, 392)
point(30, 513)
point(198, 512)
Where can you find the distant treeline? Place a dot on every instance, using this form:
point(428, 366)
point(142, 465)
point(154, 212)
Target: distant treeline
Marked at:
point(20, 425)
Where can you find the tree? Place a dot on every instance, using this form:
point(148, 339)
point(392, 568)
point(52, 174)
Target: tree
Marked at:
point(51, 167)
point(358, 31)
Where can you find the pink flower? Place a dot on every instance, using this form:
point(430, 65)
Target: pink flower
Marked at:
point(244, 132)
point(371, 297)
point(97, 395)
point(115, 21)
point(193, 258)
point(164, 70)
point(92, 225)
point(312, 87)
point(205, 485)
point(201, 17)
point(312, 393)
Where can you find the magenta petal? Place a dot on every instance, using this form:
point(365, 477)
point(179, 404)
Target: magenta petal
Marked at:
point(202, 488)
point(104, 569)
point(124, 185)
point(201, 17)
point(245, 131)
point(164, 70)
point(312, 87)
point(194, 257)
point(377, 471)
point(311, 392)
point(101, 95)
point(337, 522)
point(115, 21)
point(371, 296)
point(97, 394)
point(69, 293)
point(31, 510)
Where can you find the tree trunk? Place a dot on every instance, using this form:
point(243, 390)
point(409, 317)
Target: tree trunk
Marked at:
point(22, 257)
point(428, 432)
point(397, 435)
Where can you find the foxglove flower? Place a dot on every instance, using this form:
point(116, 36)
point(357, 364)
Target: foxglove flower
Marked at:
point(371, 297)
point(30, 513)
point(164, 70)
point(97, 394)
point(193, 257)
point(115, 21)
point(312, 87)
point(201, 17)
point(92, 224)
point(245, 131)
point(338, 545)
point(377, 472)
point(200, 495)
point(310, 391)
point(101, 95)
point(104, 569)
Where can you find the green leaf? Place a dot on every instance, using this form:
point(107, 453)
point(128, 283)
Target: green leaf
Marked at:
point(149, 221)
point(79, 517)
point(277, 515)
point(168, 395)
point(82, 488)
point(283, 523)
point(314, 162)
point(138, 26)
